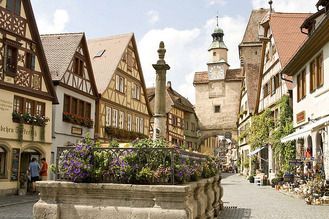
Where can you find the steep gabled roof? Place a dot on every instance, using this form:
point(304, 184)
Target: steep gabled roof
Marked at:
point(60, 49)
point(105, 65)
point(251, 32)
point(287, 35)
point(41, 55)
point(173, 99)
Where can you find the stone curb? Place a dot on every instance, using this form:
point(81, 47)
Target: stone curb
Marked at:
point(17, 203)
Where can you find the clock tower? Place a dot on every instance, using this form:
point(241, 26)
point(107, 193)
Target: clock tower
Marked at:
point(217, 64)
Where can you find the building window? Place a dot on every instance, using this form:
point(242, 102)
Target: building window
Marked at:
point(173, 120)
point(3, 155)
point(137, 124)
point(119, 83)
point(186, 125)
point(18, 105)
point(266, 89)
point(22, 106)
point(14, 5)
point(217, 109)
point(141, 126)
point(74, 106)
point(108, 116)
point(115, 118)
point(301, 85)
point(192, 127)
point(40, 109)
point(78, 67)
point(121, 120)
point(274, 83)
point(11, 59)
point(129, 122)
point(30, 61)
point(29, 106)
point(136, 92)
point(214, 53)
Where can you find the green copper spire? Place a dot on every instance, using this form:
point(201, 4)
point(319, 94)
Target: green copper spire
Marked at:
point(217, 35)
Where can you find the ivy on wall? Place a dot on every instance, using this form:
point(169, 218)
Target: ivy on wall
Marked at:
point(264, 130)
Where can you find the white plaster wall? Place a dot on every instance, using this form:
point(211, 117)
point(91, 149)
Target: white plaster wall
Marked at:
point(62, 130)
point(315, 104)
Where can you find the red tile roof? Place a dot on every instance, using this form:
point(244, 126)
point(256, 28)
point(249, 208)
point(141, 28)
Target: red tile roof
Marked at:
point(287, 35)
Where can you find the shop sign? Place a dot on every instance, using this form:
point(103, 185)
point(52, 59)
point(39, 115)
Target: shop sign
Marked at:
point(300, 117)
point(76, 130)
point(307, 159)
point(228, 135)
point(295, 162)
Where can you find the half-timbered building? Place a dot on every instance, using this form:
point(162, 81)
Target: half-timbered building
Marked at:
point(123, 111)
point(281, 37)
point(182, 123)
point(71, 71)
point(27, 94)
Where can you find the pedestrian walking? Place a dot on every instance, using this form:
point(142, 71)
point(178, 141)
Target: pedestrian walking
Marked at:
point(34, 169)
point(44, 169)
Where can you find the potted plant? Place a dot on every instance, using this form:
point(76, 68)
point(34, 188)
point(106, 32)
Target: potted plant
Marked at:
point(274, 182)
point(279, 175)
point(22, 184)
point(251, 179)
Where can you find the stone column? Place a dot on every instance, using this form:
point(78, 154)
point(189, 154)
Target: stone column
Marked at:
point(160, 95)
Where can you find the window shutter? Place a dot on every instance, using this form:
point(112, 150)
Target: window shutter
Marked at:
point(17, 7)
point(142, 126)
point(137, 124)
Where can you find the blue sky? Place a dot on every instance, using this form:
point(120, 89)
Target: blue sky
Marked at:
point(184, 26)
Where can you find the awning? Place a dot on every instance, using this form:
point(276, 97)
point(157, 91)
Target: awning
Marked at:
point(320, 123)
point(306, 131)
point(300, 133)
point(255, 151)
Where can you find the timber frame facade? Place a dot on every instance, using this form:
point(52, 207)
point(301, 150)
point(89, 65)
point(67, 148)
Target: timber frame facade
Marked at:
point(123, 101)
point(181, 122)
point(26, 91)
point(71, 70)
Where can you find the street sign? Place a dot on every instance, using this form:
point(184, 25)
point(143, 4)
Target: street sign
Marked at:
point(307, 159)
point(295, 162)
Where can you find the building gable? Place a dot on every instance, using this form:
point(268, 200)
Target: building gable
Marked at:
point(23, 64)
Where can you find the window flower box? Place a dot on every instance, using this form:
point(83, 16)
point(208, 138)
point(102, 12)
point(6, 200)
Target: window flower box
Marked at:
point(78, 120)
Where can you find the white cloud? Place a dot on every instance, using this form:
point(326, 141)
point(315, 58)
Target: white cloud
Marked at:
point(57, 25)
point(153, 16)
point(305, 6)
point(216, 2)
point(187, 51)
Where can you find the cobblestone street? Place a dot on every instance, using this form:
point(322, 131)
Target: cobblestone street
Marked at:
point(244, 200)
point(17, 207)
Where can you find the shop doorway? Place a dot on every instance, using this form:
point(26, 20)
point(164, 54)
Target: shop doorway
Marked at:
point(26, 157)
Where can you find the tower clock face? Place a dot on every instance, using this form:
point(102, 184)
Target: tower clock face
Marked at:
point(216, 72)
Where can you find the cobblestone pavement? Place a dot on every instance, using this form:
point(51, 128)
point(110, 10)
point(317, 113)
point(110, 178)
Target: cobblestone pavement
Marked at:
point(17, 207)
point(245, 200)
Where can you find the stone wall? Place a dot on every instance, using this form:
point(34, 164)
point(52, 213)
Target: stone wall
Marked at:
point(201, 199)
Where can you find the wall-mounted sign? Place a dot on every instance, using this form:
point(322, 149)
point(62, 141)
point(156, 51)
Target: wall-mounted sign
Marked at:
point(228, 135)
point(6, 105)
point(295, 162)
point(14, 164)
point(307, 159)
point(300, 117)
point(76, 130)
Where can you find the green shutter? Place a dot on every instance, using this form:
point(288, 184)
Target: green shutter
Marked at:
point(32, 61)
point(17, 7)
point(9, 5)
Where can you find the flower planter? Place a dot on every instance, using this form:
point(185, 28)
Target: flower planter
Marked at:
point(58, 199)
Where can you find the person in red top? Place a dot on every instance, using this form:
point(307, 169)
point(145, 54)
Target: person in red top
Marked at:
point(308, 152)
point(43, 170)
